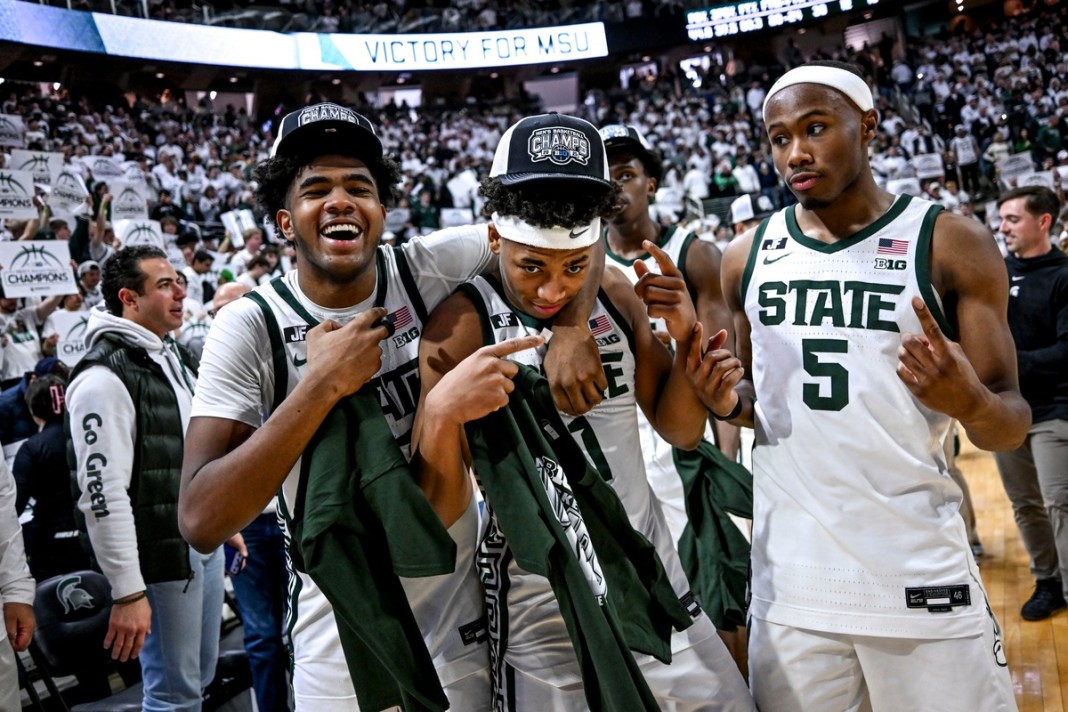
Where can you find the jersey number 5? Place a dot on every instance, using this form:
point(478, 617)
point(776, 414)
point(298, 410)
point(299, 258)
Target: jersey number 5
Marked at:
point(837, 375)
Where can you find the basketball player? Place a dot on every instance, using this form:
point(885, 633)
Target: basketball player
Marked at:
point(861, 332)
point(328, 185)
point(636, 169)
point(546, 223)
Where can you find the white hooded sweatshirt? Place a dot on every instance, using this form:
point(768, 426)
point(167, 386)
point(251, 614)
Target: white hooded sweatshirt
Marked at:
point(104, 430)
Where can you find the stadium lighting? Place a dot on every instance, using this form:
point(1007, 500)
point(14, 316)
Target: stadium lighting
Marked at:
point(335, 81)
point(38, 63)
point(160, 75)
point(233, 80)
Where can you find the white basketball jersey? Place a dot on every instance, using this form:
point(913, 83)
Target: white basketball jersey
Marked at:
point(659, 462)
point(537, 640)
point(856, 523)
point(449, 608)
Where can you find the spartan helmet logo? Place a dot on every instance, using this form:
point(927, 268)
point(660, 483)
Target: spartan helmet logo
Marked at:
point(8, 184)
point(72, 596)
point(38, 163)
point(35, 256)
point(130, 199)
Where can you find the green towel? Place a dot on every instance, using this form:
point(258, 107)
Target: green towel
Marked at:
point(714, 554)
point(513, 449)
point(360, 521)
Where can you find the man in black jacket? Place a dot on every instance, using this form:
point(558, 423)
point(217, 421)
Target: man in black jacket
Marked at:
point(1034, 475)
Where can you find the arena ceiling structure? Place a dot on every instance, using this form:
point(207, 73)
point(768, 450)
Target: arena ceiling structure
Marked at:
point(73, 48)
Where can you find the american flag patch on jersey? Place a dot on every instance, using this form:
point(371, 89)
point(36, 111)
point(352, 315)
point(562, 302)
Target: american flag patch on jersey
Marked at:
point(401, 318)
point(600, 325)
point(888, 246)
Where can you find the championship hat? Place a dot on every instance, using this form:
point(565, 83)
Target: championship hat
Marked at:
point(550, 147)
point(624, 137)
point(326, 127)
point(553, 146)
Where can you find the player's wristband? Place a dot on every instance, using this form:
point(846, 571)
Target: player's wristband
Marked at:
point(735, 412)
point(133, 598)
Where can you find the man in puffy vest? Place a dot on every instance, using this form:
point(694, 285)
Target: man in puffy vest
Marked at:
point(128, 403)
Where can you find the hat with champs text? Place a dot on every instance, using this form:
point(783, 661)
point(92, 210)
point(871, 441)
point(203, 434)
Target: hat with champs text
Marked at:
point(550, 146)
point(326, 128)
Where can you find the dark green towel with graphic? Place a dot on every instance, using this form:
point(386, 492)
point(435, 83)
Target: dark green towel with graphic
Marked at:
point(360, 521)
point(515, 450)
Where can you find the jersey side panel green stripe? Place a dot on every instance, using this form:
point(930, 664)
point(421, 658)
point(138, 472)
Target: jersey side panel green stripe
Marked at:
point(278, 351)
point(747, 275)
point(472, 293)
point(923, 271)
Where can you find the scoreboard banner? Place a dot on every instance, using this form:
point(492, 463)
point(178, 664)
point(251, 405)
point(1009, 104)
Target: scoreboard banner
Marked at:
point(735, 18)
point(42, 25)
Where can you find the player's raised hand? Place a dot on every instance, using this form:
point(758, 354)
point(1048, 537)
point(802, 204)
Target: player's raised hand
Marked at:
point(934, 368)
point(481, 383)
point(713, 371)
point(346, 357)
point(665, 294)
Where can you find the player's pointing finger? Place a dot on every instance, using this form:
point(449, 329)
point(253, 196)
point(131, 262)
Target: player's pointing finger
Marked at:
point(927, 321)
point(515, 345)
point(667, 267)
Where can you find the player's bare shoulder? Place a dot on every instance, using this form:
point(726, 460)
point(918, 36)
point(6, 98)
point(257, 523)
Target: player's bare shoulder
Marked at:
point(963, 252)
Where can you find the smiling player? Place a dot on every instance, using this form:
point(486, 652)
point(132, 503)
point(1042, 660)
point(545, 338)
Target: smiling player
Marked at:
point(304, 341)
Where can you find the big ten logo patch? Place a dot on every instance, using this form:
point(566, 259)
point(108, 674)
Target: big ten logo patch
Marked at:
point(602, 331)
point(888, 264)
point(404, 330)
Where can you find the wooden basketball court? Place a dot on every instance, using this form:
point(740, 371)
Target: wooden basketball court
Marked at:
point(1037, 652)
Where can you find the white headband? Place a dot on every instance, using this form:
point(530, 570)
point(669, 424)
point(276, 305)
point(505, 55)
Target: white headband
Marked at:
point(840, 79)
point(550, 238)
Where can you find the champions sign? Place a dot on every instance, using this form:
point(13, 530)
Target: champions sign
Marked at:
point(139, 232)
point(68, 191)
point(41, 164)
point(71, 327)
point(16, 195)
point(128, 201)
point(12, 130)
point(36, 268)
